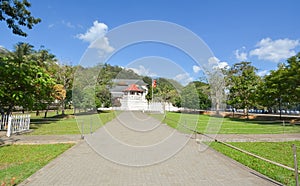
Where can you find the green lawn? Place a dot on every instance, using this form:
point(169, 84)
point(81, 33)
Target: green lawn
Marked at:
point(69, 124)
point(207, 124)
point(280, 152)
point(18, 162)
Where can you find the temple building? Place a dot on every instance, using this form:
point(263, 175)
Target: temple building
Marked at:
point(129, 94)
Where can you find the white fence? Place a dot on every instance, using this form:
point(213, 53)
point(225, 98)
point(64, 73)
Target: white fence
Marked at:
point(14, 123)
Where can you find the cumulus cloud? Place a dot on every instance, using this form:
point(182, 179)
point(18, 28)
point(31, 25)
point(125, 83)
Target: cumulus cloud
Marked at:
point(213, 60)
point(241, 56)
point(275, 50)
point(183, 78)
point(263, 73)
point(96, 37)
point(196, 68)
point(223, 65)
point(141, 70)
point(98, 30)
point(216, 63)
point(102, 44)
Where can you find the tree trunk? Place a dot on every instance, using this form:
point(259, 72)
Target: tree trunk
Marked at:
point(246, 113)
point(9, 111)
point(217, 108)
point(37, 113)
point(46, 111)
point(63, 107)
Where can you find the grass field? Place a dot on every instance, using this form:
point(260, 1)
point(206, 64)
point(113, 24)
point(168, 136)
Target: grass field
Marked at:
point(57, 125)
point(207, 124)
point(280, 152)
point(18, 162)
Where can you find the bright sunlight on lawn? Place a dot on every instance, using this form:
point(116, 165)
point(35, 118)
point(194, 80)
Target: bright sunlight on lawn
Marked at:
point(229, 126)
point(57, 125)
point(18, 162)
point(280, 152)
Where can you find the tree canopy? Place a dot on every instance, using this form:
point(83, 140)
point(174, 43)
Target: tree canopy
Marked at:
point(16, 14)
point(281, 88)
point(242, 82)
point(23, 82)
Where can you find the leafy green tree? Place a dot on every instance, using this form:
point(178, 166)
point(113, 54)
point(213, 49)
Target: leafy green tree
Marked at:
point(103, 96)
point(166, 90)
point(22, 85)
point(15, 13)
point(204, 94)
point(83, 89)
point(47, 60)
point(65, 76)
point(293, 78)
point(271, 90)
point(23, 82)
point(195, 96)
point(190, 97)
point(242, 82)
point(282, 86)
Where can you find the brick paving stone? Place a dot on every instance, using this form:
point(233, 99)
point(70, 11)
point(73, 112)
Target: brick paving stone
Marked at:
point(82, 165)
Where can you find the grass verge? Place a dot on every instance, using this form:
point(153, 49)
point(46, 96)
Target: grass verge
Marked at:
point(280, 152)
point(69, 124)
point(208, 124)
point(18, 162)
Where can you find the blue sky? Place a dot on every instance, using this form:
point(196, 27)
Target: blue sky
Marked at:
point(264, 32)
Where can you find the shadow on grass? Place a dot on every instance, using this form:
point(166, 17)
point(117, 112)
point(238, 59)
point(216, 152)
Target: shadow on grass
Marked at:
point(50, 119)
point(36, 123)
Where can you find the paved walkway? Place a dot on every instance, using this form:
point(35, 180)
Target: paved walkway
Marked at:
point(82, 165)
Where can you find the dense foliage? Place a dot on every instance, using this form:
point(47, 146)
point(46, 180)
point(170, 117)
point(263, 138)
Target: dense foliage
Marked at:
point(278, 90)
point(15, 13)
point(24, 80)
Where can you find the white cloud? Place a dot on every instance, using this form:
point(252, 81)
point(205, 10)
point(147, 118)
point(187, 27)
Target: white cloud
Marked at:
point(68, 24)
point(216, 63)
point(213, 60)
point(95, 36)
point(196, 68)
point(51, 26)
point(276, 50)
point(241, 56)
point(98, 30)
point(141, 70)
point(183, 78)
point(263, 73)
point(102, 44)
point(223, 65)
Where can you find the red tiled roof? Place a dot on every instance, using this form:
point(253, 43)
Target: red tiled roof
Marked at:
point(134, 88)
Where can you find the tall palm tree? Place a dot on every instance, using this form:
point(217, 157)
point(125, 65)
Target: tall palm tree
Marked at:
point(21, 51)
